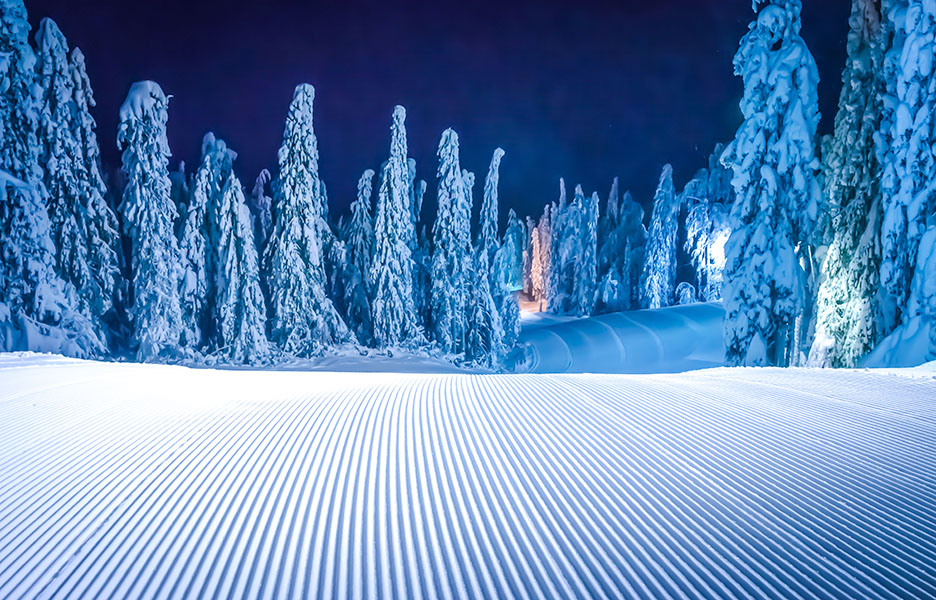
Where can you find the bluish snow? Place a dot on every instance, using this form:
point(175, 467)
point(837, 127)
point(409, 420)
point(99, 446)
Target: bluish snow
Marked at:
point(143, 481)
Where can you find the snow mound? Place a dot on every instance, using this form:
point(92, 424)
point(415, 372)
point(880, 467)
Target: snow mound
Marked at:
point(908, 346)
point(667, 340)
point(133, 481)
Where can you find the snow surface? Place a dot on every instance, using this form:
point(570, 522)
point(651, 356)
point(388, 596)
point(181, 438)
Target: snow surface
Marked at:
point(152, 481)
point(667, 340)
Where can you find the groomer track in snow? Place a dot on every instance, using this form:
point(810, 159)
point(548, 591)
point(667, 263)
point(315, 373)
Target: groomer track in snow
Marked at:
point(131, 481)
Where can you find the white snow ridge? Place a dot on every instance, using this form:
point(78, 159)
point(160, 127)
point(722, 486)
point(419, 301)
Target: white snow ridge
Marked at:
point(143, 481)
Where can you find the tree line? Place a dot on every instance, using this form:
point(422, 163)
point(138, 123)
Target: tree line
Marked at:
point(187, 267)
point(819, 248)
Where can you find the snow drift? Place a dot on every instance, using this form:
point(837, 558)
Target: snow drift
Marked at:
point(667, 340)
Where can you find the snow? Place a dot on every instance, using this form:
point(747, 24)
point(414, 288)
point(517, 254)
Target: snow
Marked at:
point(908, 346)
point(127, 480)
point(674, 339)
point(144, 98)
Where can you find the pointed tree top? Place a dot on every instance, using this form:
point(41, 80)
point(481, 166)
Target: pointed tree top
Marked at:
point(77, 56)
point(449, 138)
point(304, 90)
point(49, 34)
point(365, 188)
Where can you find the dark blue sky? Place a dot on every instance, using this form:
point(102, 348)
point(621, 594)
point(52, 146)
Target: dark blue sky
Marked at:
point(585, 89)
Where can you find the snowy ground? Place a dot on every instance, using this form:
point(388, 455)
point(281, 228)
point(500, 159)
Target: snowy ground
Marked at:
point(667, 340)
point(132, 481)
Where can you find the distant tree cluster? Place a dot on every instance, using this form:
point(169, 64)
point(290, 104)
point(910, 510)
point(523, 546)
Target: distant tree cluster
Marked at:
point(186, 267)
point(584, 262)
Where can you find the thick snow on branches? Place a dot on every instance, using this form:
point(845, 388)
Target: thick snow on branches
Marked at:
point(775, 177)
point(304, 321)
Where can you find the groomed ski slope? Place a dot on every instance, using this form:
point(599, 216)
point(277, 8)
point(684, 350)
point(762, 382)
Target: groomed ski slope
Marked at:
point(133, 481)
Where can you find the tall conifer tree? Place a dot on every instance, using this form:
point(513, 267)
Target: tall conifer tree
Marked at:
point(304, 321)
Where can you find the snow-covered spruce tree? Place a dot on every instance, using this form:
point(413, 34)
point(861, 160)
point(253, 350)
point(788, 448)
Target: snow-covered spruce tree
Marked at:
point(510, 272)
point(508, 278)
point(58, 150)
point(422, 277)
point(634, 232)
point(909, 181)
point(488, 236)
point(38, 310)
point(658, 281)
point(468, 197)
point(528, 255)
point(715, 227)
point(610, 255)
point(360, 246)
point(922, 304)
point(774, 176)
point(556, 293)
point(239, 311)
point(199, 241)
point(417, 191)
point(411, 202)
point(262, 209)
point(621, 257)
point(608, 277)
point(585, 265)
point(181, 183)
point(544, 229)
point(920, 94)
point(84, 229)
point(336, 258)
point(484, 344)
point(452, 247)
point(537, 279)
point(706, 233)
point(393, 310)
point(567, 223)
point(101, 227)
point(149, 215)
point(419, 194)
point(849, 315)
point(609, 220)
point(303, 320)
point(571, 250)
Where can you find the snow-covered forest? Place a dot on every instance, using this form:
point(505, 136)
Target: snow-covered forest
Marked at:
point(821, 250)
point(424, 385)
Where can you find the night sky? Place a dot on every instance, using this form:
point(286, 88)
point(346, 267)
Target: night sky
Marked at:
point(585, 89)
